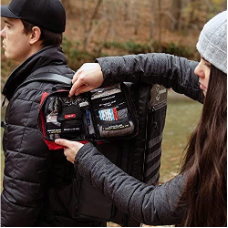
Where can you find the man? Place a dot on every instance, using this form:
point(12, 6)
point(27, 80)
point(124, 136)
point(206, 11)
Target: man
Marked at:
point(34, 177)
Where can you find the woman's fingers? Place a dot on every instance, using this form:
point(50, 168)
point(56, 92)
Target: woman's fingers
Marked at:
point(71, 148)
point(87, 78)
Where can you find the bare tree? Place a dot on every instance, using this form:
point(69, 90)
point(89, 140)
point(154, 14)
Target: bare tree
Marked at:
point(198, 13)
point(109, 14)
point(126, 9)
point(136, 16)
point(175, 15)
point(159, 24)
point(90, 27)
point(67, 5)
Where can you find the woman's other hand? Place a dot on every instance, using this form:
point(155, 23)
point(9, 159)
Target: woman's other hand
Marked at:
point(88, 77)
point(71, 148)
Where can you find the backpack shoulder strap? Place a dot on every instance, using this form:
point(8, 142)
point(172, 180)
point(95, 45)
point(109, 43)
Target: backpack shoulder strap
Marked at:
point(48, 77)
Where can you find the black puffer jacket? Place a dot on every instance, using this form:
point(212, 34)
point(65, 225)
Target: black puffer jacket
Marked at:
point(152, 205)
point(167, 70)
point(33, 174)
point(147, 204)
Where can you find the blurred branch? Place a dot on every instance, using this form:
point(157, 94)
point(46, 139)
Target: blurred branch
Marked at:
point(109, 13)
point(159, 24)
point(88, 31)
point(67, 5)
point(175, 14)
point(94, 14)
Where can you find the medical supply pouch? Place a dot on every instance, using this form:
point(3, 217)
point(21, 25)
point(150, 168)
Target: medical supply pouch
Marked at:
point(114, 111)
point(102, 114)
point(138, 156)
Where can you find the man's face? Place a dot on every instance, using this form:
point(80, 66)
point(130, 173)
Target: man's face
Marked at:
point(15, 41)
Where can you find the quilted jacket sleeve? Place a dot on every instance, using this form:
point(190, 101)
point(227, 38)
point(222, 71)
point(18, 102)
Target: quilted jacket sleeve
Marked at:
point(152, 205)
point(26, 161)
point(153, 68)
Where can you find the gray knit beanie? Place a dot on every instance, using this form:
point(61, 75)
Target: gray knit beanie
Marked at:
point(212, 44)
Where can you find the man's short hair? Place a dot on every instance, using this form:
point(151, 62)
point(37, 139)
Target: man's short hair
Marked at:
point(47, 37)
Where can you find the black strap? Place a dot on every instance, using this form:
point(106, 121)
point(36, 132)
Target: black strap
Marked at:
point(48, 77)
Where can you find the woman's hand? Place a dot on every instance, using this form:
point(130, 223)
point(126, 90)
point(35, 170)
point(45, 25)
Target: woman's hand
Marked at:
point(88, 77)
point(71, 148)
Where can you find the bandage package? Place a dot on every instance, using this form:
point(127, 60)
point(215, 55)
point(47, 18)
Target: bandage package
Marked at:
point(104, 113)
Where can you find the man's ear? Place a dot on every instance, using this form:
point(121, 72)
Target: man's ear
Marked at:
point(35, 35)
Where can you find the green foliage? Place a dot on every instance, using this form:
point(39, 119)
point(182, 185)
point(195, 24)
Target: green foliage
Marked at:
point(131, 47)
point(75, 57)
point(179, 50)
point(113, 44)
point(136, 48)
point(217, 6)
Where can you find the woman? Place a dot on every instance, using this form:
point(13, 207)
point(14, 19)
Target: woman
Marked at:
point(198, 195)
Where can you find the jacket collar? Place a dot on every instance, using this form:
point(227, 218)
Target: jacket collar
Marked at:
point(50, 55)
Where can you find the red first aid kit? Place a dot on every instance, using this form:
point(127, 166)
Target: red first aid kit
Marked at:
point(102, 114)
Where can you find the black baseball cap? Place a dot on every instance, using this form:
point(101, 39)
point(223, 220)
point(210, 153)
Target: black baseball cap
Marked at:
point(47, 14)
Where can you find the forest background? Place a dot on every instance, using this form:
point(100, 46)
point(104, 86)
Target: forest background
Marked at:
point(119, 27)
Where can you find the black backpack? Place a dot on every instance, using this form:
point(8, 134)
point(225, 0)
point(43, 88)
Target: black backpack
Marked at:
point(138, 156)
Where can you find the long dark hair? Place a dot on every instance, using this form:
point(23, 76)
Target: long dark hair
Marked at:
point(205, 163)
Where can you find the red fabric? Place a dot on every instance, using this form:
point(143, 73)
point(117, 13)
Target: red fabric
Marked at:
point(44, 95)
point(51, 144)
point(70, 116)
point(101, 142)
point(41, 115)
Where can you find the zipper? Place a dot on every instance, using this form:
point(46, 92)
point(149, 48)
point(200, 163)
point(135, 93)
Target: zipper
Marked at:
point(153, 110)
point(61, 91)
point(132, 110)
point(96, 137)
point(92, 112)
point(131, 107)
point(40, 110)
point(50, 94)
point(160, 105)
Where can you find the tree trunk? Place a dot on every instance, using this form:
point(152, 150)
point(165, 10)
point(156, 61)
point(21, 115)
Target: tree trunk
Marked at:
point(159, 25)
point(88, 29)
point(176, 9)
point(67, 5)
point(136, 16)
